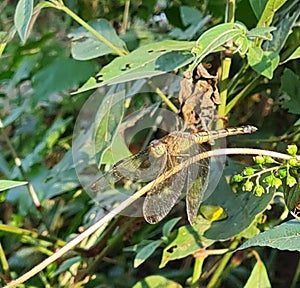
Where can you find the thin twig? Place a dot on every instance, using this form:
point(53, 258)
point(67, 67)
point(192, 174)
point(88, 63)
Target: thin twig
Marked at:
point(125, 16)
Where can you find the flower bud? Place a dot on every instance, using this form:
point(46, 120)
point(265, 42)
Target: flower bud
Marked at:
point(259, 190)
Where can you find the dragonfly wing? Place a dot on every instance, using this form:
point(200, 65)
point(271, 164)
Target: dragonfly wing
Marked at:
point(197, 181)
point(140, 167)
point(162, 197)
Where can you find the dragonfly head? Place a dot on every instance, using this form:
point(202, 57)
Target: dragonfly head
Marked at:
point(157, 148)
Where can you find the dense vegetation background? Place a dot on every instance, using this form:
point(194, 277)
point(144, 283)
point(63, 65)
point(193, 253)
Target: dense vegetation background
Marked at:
point(47, 54)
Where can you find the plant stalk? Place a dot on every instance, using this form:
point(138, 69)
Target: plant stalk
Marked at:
point(90, 29)
point(217, 276)
point(197, 272)
point(225, 66)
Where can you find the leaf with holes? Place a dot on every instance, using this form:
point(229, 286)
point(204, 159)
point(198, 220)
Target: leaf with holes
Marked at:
point(144, 62)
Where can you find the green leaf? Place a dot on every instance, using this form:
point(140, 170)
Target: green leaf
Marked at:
point(108, 119)
point(25, 257)
point(258, 7)
point(290, 85)
point(187, 241)
point(4, 167)
point(261, 32)
point(294, 55)
point(241, 208)
point(119, 150)
point(60, 75)
point(8, 184)
point(156, 281)
point(192, 18)
point(62, 177)
point(50, 138)
point(250, 231)
point(282, 237)
point(263, 62)
point(189, 15)
point(13, 115)
point(267, 16)
point(143, 254)
point(22, 17)
point(291, 189)
point(23, 71)
point(214, 38)
point(144, 62)
point(283, 30)
point(259, 277)
point(67, 264)
point(86, 46)
point(167, 228)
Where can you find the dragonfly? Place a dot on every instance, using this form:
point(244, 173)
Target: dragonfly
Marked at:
point(161, 156)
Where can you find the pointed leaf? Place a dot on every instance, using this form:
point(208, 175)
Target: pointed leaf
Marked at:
point(8, 184)
point(167, 228)
point(261, 32)
point(283, 30)
point(282, 237)
point(267, 16)
point(214, 38)
point(108, 118)
point(294, 55)
point(146, 252)
point(259, 277)
point(23, 16)
point(263, 62)
point(156, 281)
point(258, 7)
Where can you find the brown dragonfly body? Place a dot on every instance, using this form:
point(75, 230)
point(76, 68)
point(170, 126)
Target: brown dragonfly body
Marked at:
point(161, 156)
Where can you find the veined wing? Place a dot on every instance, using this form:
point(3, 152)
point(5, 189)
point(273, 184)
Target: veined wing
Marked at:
point(140, 167)
point(197, 181)
point(162, 197)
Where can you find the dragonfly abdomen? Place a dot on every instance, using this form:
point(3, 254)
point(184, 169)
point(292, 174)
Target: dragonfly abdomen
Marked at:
point(202, 137)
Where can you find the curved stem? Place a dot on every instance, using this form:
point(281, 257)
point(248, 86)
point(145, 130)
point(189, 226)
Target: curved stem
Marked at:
point(61, 6)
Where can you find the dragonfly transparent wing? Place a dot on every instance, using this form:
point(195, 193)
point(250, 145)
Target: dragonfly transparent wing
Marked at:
point(140, 167)
point(163, 196)
point(197, 181)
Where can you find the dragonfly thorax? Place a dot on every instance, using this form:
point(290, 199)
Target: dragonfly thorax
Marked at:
point(157, 148)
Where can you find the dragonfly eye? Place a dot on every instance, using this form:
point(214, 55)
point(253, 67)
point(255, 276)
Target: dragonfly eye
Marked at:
point(157, 148)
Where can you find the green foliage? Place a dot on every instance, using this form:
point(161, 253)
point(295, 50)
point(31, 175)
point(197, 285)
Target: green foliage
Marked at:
point(259, 276)
point(7, 184)
point(271, 174)
point(52, 62)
